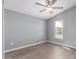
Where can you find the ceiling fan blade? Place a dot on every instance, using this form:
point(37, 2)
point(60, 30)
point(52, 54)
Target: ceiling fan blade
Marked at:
point(40, 4)
point(53, 1)
point(48, 3)
point(57, 7)
point(42, 10)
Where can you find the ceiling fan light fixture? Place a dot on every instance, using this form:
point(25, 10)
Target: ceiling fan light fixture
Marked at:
point(49, 9)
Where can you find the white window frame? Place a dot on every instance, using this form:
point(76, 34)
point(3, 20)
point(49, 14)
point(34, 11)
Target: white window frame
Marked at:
point(59, 29)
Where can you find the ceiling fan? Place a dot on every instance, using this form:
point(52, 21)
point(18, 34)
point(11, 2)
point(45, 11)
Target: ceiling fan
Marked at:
point(49, 7)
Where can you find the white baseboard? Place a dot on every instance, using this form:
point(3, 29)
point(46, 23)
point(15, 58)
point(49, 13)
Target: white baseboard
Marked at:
point(24, 46)
point(62, 44)
point(36, 44)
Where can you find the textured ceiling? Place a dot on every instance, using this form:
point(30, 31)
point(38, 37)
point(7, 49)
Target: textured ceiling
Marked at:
point(29, 7)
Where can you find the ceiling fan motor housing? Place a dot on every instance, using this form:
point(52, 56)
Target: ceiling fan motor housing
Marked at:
point(51, 1)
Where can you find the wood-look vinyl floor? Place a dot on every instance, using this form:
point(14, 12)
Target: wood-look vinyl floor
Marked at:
point(43, 51)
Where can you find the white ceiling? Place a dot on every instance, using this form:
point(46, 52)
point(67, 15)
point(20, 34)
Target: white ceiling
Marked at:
point(29, 7)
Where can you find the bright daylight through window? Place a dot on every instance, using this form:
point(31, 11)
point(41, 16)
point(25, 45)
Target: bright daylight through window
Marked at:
point(59, 29)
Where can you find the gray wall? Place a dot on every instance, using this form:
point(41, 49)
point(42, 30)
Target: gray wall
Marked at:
point(20, 30)
point(69, 17)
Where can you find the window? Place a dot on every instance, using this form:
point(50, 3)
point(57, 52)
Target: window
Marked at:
point(59, 29)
